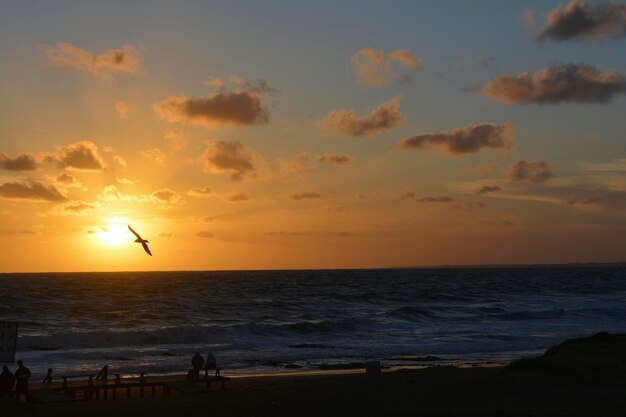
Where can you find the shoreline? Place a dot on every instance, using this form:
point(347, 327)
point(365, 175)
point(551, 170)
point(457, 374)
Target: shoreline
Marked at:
point(579, 377)
point(342, 369)
point(134, 377)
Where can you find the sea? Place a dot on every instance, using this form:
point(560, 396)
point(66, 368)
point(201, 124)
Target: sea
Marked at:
point(302, 320)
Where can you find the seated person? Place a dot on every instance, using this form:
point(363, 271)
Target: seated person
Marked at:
point(7, 380)
point(209, 364)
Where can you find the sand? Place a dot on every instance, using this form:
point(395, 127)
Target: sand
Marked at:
point(438, 391)
point(535, 390)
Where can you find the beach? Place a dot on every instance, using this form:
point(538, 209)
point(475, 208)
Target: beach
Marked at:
point(579, 377)
point(435, 391)
point(444, 338)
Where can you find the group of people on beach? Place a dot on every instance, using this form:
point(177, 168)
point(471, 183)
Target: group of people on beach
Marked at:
point(198, 362)
point(19, 380)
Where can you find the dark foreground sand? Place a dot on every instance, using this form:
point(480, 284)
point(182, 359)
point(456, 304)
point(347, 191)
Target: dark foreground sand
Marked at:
point(443, 391)
point(438, 391)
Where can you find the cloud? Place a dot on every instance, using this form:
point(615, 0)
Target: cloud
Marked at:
point(122, 109)
point(205, 234)
point(296, 168)
point(308, 233)
point(578, 20)
point(76, 208)
point(335, 159)
point(201, 192)
point(111, 193)
point(166, 196)
point(377, 69)
point(81, 156)
point(408, 194)
point(153, 153)
point(451, 202)
point(469, 139)
point(307, 195)
point(485, 189)
point(165, 235)
point(231, 158)
point(122, 61)
point(68, 180)
point(346, 122)
point(176, 140)
point(586, 198)
point(22, 162)
point(258, 86)
point(214, 82)
point(444, 200)
point(125, 181)
point(573, 193)
point(30, 190)
point(235, 108)
point(439, 199)
point(555, 84)
point(237, 197)
point(531, 171)
point(120, 161)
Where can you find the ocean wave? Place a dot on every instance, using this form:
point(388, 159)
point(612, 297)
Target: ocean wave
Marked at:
point(186, 334)
point(412, 313)
point(532, 315)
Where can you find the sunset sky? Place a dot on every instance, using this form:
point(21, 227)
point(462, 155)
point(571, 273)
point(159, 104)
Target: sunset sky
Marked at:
point(270, 135)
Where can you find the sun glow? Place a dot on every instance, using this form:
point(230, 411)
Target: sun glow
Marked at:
point(115, 233)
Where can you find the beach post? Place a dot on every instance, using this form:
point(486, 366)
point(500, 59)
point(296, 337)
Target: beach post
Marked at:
point(142, 381)
point(372, 369)
point(90, 389)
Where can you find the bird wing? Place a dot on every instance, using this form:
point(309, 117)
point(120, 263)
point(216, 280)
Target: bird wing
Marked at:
point(145, 247)
point(135, 233)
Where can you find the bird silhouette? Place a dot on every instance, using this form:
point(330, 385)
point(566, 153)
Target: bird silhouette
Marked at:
point(140, 240)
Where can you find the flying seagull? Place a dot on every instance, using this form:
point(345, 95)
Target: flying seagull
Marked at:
point(140, 240)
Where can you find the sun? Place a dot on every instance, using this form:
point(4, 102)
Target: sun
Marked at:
point(114, 233)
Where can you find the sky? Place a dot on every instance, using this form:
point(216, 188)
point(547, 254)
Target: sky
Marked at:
point(292, 134)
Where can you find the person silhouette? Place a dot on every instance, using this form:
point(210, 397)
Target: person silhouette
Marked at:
point(197, 362)
point(7, 380)
point(48, 378)
point(21, 376)
point(209, 364)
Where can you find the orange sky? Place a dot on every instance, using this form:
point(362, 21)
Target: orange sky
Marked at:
point(230, 140)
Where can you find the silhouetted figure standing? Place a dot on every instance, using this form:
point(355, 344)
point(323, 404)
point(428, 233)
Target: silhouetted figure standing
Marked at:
point(21, 376)
point(197, 362)
point(7, 380)
point(210, 364)
point(48, 378)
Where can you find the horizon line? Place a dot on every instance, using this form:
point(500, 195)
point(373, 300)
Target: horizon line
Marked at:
point(442, 266)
